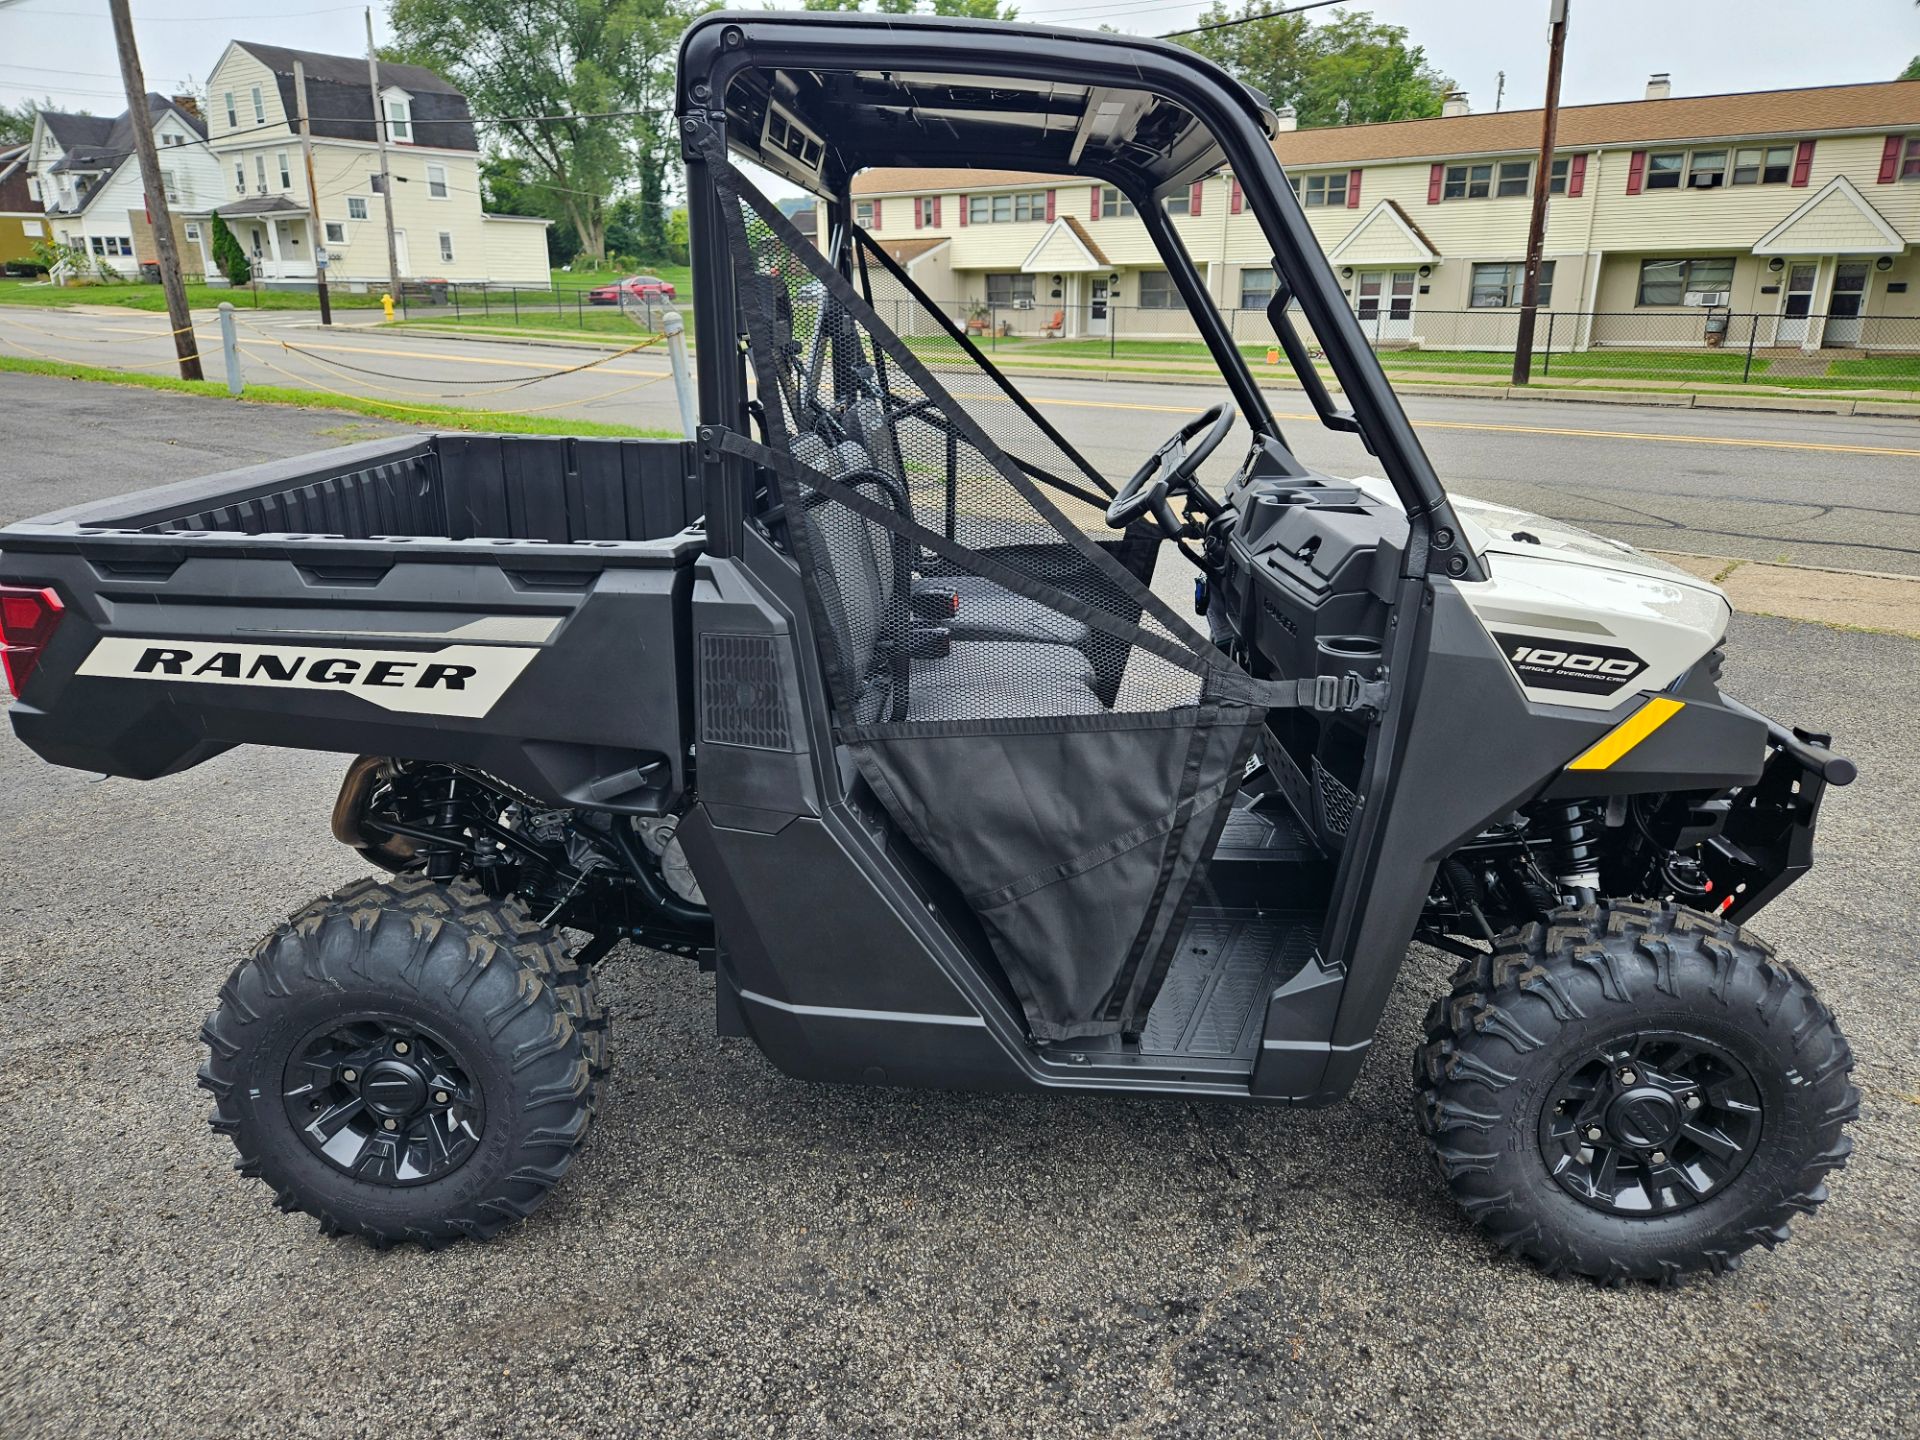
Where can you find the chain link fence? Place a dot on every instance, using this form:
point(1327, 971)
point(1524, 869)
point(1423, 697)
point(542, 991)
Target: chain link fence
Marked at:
point(1691, 345)
point(587, 308)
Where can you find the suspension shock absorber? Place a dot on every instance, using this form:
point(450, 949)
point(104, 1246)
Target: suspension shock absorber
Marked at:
point(1575, 831)
point(443, 861)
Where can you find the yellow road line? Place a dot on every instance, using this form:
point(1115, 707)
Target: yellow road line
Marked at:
point(1628, 733)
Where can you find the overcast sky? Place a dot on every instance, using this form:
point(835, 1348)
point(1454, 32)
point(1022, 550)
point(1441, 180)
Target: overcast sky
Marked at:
point(64, 48)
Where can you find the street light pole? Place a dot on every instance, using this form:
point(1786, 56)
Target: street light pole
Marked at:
point(151, 180)
point(386, 174)
point(317, 230)
point(1542, 182)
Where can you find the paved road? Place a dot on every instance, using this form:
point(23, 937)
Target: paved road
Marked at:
point(1812, 489)
point(739, 1253)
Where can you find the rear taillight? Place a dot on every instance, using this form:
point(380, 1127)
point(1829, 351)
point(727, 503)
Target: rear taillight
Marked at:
point(28, 619)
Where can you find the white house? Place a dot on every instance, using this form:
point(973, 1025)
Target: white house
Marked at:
point(440, 229)
point(83, 172)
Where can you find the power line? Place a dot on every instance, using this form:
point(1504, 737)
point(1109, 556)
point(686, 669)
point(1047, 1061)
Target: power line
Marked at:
point(1249, 19)
point(196, 19)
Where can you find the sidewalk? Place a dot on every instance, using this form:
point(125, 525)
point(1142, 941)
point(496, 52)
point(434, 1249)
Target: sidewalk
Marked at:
point(1849, 599)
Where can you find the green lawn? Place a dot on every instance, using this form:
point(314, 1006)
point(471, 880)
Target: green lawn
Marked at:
point(678, 276)
point(153, 298)
point(428, 417)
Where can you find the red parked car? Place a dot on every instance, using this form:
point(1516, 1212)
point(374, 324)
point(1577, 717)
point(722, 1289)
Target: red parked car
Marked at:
point(635, 287)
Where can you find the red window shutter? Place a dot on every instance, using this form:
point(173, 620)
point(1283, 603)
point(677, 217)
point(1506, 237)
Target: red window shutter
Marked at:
point(1234, 199)
point(966, 204)
point(876, 215)
point(1576, 175)
point(1636, 172)
point(1435, 178)
point(1353, 189)
point(1890, 161)
point(1803, 163)
point(936, 212)
point(1050, 207)
point(918, 203)
point(1095, 212)
point(1193, 199)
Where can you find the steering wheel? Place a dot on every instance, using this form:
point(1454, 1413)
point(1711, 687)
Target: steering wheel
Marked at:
point(1170, 470)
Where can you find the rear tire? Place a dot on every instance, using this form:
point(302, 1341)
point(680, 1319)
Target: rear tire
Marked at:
point(1634, 1092)
point(397, 1071)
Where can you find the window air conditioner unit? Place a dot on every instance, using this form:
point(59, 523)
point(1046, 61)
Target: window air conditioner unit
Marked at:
point(1707, 297)
point(1024, 303)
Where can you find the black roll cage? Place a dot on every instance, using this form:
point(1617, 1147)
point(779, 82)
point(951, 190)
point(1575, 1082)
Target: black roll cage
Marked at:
point(718, 48)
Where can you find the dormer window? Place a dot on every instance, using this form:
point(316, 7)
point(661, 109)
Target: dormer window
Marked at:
point(399, 108)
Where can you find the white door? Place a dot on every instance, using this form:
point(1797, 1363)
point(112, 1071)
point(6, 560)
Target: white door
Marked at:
point(1383, 301)
point(400, 253)
point(1844, 308)
point(1097, 306)
point(1796, 304)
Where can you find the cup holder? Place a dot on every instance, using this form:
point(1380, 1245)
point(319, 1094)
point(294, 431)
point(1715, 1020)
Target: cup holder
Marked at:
point(1348, 655)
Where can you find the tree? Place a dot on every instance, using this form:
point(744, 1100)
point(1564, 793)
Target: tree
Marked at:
point(1912, 72)
point(1349, 71)
point(966, 9)
point(16, 121)
point(581, 90)
point(229, 256)
point(505, 190)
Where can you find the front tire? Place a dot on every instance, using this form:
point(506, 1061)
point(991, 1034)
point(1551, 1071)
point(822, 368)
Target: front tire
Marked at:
point(1634, 1092)
point(398, 1073)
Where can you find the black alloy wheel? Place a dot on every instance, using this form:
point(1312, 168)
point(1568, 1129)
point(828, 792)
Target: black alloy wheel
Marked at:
point(383, 1099)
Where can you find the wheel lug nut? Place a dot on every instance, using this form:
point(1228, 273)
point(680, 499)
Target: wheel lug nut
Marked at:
point(441, 1097)
point(349, 1075)
point(1693, 1102)
point(1593, 1132)
point(1659, 1156)
point(1627, 1077)
point(400, 1048)
point(391, 1124)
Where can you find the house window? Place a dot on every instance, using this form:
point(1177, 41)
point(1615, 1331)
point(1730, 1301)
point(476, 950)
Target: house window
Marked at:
point(356, 207)
point(1181, 204)
point(926, 209)
point(33, 227)
point(1113, 203)
point(286, 175)
point(436, 182)
point(193, 233)
point(376, 182)
point(260, 172)
point(1708, 170)
point(1513, 177)
point(399, 122)
point(1157, 292)
point(1557, 176)
point(1327, 190)
point(1467, 182)
point(1004, 209)
point(233, 116)
point(259, 107)
point(111, 244)
point(1910, 159)
point(336, 233)
point(1663, 169)
point(1666, 282)
point(170, 186)
point(1256, 287)
point(240, 175)
point(1501, 285)
point(446, 245)
point(1772, 165)
point(171, 138)
point(1015, 290)
point(863, 214)
point(94, 241)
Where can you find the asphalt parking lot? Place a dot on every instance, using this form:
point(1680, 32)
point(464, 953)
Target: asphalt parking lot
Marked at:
point(739, 1253)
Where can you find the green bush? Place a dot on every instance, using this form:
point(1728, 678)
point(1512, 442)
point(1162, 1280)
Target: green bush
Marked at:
point(229, 256)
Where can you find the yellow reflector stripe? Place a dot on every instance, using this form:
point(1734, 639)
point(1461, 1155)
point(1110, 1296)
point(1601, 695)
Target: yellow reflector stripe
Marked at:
point(1628, 733)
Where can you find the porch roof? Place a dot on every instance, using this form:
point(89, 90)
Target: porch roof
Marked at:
point(1835, 220)
point(257, 206)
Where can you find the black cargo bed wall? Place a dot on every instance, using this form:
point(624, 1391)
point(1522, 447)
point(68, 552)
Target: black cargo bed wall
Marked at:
point(458, 487)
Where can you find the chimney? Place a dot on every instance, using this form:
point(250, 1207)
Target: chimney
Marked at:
point(1454, 104)
point(188, 103)
point(1286, 118)
point(1659, 85)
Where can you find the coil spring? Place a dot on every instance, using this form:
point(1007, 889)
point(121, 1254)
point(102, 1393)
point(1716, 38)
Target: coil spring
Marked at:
point(1576, 830)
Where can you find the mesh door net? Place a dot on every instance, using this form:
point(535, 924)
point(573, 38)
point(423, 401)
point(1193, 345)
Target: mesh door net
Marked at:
point(1040, 725)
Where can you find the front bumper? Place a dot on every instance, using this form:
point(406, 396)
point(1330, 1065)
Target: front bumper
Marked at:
point(1767, 842)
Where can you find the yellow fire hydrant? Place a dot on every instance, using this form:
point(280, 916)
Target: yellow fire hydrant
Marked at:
point(386, 304)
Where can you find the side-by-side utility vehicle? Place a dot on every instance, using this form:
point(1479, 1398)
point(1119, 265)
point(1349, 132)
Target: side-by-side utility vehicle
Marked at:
point(867, 699)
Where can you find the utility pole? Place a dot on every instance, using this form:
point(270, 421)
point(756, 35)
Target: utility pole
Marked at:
point(1542, 183)
point(317, 236)
point(184, 344)
point(386, 174)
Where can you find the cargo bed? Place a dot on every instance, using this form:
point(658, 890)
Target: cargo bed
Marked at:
point(513, 603)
